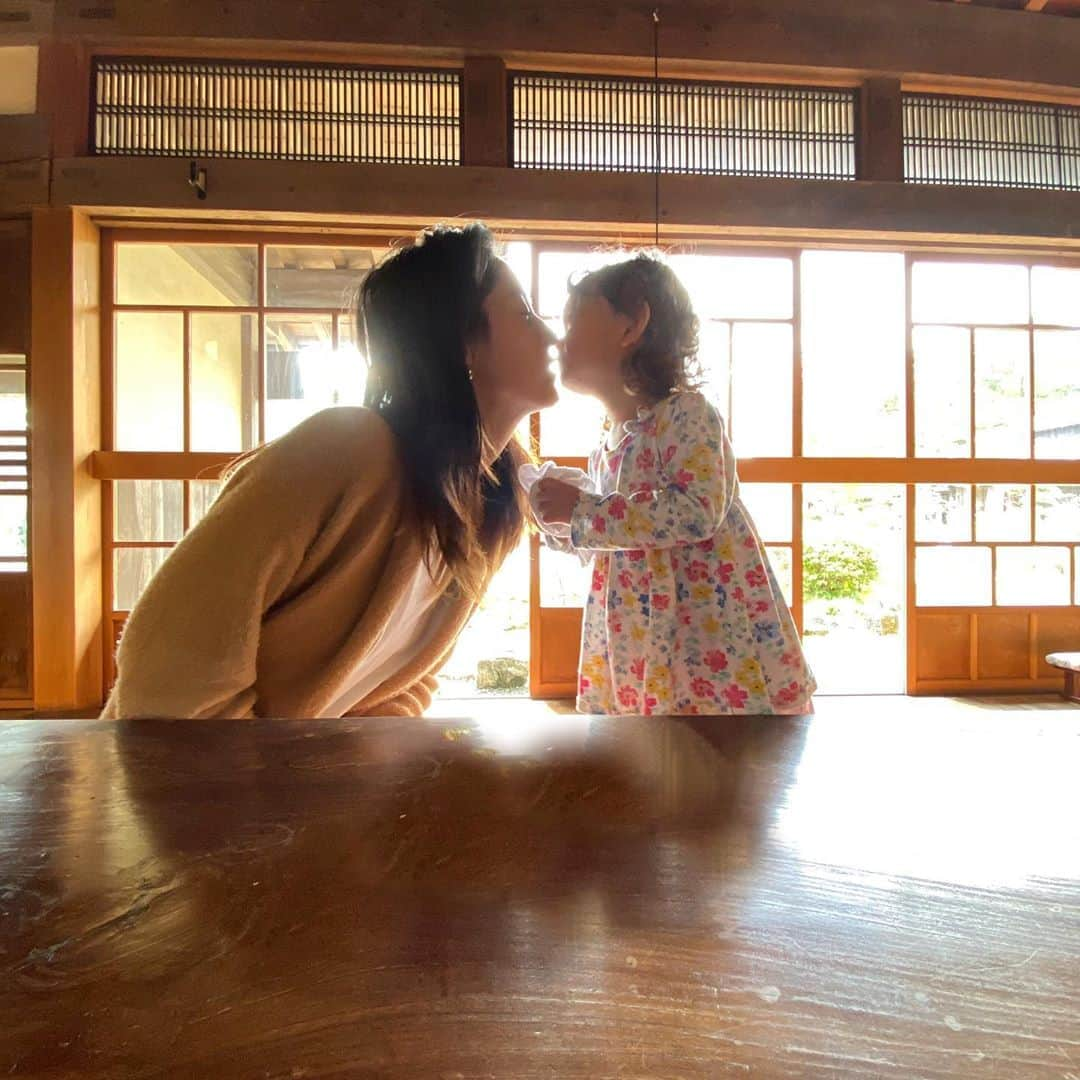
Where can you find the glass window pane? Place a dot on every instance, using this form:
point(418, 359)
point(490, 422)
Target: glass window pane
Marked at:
point(224, 381)
point(942, 391)
point(952, 292)
point(770, 507)
point(12, 528)
point(942, 512)
point(497, 631)
point(12, 400)
point(564, 582)
point(556, 269)
point(213, 275)
point(149, 375)
point(1055, 295)
point(737, 286)
point(132, 570)
point(1002, 512)
point(13, 448)
point(1002, 410)
point(853, 354)
point(201, 495)
point(1076, 576)
point(1057, 394)
point(714, 356)
point(780, 560)
point(304, 374)
point(854, 585)
point(518, 256)
point(573, 427)
point(1032, 576)
point(351, 368)
point(952, 576)
point(316, 277)
point(1057, 512)
point(761, 389)
point(148, 509)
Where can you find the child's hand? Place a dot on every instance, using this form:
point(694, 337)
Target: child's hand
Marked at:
point(556, 500)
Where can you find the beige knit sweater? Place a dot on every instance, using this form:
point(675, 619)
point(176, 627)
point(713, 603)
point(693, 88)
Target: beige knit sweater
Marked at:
point(268, 606)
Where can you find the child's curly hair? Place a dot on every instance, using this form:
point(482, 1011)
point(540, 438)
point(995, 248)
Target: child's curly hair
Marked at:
point(666, 358)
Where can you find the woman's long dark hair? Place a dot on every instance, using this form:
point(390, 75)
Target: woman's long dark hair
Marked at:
point(417, 313)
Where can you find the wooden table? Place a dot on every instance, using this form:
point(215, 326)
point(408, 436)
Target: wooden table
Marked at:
point(854, 896)
point(1069, 662)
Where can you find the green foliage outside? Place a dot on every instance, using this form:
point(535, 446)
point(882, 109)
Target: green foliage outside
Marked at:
point(840, 570)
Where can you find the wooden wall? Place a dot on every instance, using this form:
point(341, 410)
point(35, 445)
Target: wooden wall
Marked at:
point(998, 649)
point(66, 425)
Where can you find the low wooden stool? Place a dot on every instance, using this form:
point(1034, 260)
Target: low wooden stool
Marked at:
point(1069, 662)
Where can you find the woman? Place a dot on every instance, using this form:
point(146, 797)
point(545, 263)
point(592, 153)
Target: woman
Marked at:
point(339, 564)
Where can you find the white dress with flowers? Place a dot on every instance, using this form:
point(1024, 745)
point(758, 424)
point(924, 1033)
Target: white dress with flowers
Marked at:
point(684, 615)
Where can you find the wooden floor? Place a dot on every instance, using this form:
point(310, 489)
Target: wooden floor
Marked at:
point(885, 705)
point(890, 888)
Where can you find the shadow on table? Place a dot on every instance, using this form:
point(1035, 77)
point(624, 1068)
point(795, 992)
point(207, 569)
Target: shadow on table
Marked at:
point(378, 807)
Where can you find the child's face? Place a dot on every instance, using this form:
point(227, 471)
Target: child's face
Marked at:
point(593, 347)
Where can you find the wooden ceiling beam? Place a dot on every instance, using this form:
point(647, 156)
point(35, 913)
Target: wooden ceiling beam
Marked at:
point(894, 36)
point(410, 195)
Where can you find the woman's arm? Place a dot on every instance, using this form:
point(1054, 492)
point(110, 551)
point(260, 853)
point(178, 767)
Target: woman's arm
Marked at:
point(694, 480)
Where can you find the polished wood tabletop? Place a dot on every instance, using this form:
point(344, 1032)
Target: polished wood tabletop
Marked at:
point(856, 895)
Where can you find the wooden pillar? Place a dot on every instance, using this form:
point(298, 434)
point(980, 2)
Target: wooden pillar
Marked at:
point(65, 426)
point(63, 95)
point(15, 617)
point(881, 131)
point(14, 285)
point(485, 113)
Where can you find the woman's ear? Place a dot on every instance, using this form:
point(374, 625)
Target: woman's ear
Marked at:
point(637, 326)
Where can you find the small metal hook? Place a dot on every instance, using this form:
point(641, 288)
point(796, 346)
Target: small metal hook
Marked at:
point(197, 179)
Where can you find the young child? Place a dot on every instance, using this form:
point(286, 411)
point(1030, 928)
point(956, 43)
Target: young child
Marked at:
point(684, 615)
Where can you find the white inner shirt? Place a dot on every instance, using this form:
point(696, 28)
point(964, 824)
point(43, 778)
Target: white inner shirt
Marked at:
point(415, 620)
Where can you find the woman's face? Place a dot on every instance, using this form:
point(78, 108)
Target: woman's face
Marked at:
point(513, 362)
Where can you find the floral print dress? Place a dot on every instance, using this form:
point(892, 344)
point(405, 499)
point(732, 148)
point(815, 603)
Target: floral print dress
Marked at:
point(684, 615)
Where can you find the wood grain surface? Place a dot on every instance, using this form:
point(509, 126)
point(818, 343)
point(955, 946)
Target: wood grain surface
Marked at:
point(854, 896)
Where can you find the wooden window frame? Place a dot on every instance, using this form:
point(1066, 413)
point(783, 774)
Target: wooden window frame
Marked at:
point(550, 626)
point(186, 465)
point(563, 624)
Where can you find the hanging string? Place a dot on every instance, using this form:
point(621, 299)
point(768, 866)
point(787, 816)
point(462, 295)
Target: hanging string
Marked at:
point(656, 124)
